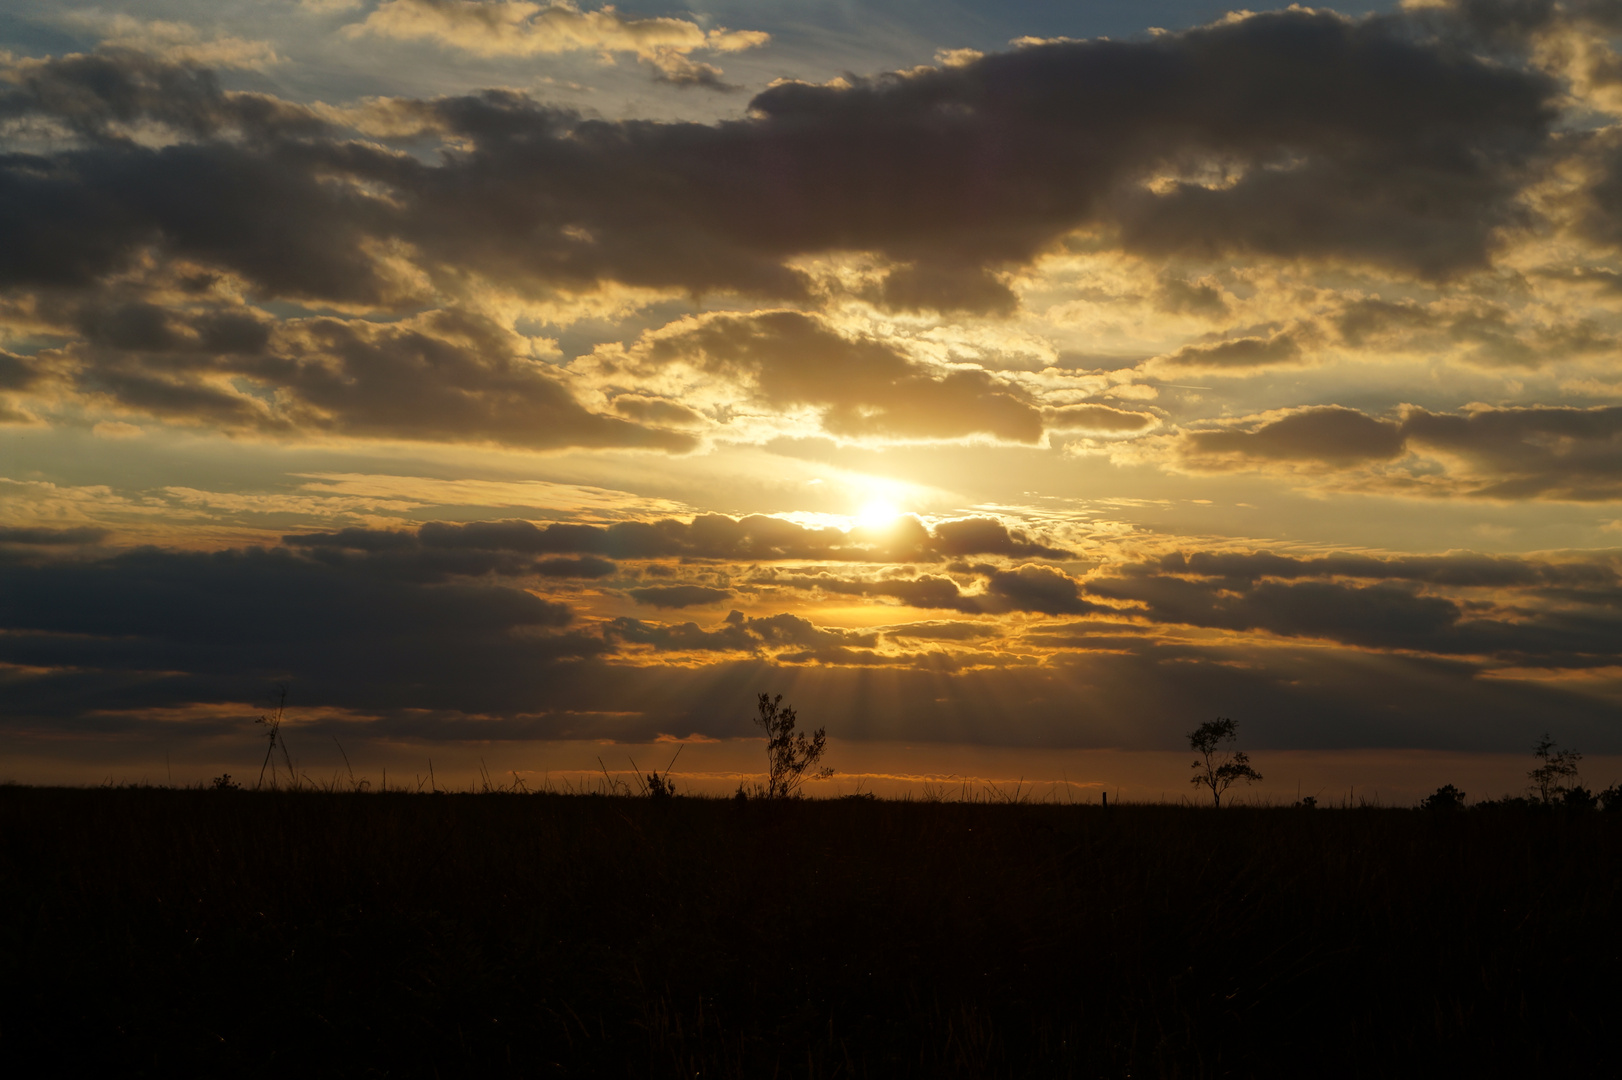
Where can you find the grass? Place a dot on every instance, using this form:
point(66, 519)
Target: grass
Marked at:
point(165, 932)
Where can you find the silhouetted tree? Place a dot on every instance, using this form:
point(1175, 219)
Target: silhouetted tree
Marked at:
point(1556, 773)
point(1446, 797)
point(1610, 800)
point(789, 754)
point(1219, 767)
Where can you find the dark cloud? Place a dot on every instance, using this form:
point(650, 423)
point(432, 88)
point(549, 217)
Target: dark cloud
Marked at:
point(1400, 610)
point(446, 375)
point(678, 596)
point(371, 540)
point(151, 628)
point(944, 631)
point(926, 591)
point(1600, 202)
point(1330, 434)
point(100, 95)
point(659, 411)
point(988, 536)
point(90, 646)
point(1549, 452)
point(1482, 333)
point(18, 372)
point(1237, 354)
point(1177, 296)
point(1459, 570)
point(863, 386)
point(1032, 588)
point(740, 633)
point(685, 637)
point(1535, 452)
point(586, 567)
point(707, 536)
point(47, 537)
point(1364, 319)
point(1338, 139)
point(1035, 588)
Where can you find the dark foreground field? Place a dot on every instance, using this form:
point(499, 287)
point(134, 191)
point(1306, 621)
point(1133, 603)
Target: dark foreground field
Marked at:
point(174, 932)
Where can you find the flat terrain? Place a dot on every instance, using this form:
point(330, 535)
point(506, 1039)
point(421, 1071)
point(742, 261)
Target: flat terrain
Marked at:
point(164, 932)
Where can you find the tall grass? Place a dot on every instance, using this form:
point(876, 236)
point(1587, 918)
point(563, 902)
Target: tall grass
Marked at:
point(177, 932)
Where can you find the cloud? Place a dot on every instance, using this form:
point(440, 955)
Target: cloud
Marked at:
point(678, 596)
point(151, 628)
point(1331, 435)
point(1030, 588)
point(48, 537)
point(1035, 588)
point(755, 538)
point(1462, 569)
point(1177, 296)
point(943, 631)
point(1095, 418)
point(494, 28)
point(862, 386)
point(1403, 609)
point(442, 376)
point(587, 567)
point(1361, 142)
point(440, 550)
point(177, 42)
point(740, 633)
point(1479, 332)
point(109, 641)
point(1237, 354)
point(1532, 452)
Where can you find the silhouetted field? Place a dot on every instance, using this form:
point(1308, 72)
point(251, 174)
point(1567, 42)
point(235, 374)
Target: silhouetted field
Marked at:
point(174, 932)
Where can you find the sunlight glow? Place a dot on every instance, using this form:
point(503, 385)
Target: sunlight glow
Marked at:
point(878, 514)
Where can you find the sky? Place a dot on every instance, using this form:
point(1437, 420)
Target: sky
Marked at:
point(527, 386)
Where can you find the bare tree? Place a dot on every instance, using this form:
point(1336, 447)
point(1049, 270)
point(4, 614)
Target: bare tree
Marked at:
point(789, 754)
point(1556, 773)
point(1219, 767)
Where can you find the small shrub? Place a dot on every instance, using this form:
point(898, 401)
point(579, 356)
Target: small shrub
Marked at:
point(1579, 798)
point(1610, 800)
point(1508, 802)
point(789, 753)
point(1446, 797)
point(224, 782)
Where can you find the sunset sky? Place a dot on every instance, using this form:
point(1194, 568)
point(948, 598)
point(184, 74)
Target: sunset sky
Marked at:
point(1011, 386)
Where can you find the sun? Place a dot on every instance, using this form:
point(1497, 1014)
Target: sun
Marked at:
point(877, 514)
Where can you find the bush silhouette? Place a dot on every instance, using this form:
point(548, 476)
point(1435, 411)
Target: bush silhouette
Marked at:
point(1579, 798)
point(1446, 797)
point(789, 753)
